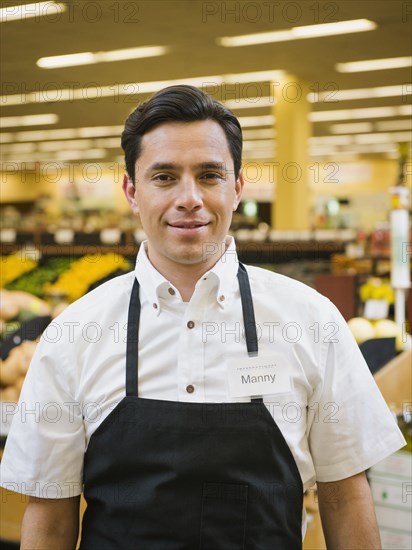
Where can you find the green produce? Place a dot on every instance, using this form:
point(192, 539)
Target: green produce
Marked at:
point(34, 281)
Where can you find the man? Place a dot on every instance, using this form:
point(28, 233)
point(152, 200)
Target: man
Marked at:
point(214, 394)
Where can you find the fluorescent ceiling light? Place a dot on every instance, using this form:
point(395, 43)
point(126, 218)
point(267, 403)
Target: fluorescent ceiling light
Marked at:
point(60, 155)
point(393, 137)
point(248, 121)
point(354, 149)
point(370, 112)
point(373, 65)
point(330, 140)
point(100, 131)
point(18, 148)
point(63, 133)
point(25, 11)
point(351, 128)
point(6, 137)
point(88, 58)
point(28, 120)
point(134, 88)
point(298, 33)
point(259, 144)
point(265, 133)
point(374, 147)
point(110, 143)
point(368, 127)
point(66, 145)
point(91, 153)
point(256, 154)
point(100, 143)
point(393, 125)
point(40, 135)
point(361, 93)
point(388, 137)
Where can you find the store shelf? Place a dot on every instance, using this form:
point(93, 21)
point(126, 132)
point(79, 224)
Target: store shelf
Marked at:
point(254, 252)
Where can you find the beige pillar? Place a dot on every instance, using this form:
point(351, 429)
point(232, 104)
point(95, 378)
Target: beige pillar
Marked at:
point(291, 208)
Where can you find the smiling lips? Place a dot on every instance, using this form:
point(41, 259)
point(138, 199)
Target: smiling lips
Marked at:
point(188, 224)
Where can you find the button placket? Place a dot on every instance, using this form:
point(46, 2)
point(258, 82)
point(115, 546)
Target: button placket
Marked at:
point(191, 355)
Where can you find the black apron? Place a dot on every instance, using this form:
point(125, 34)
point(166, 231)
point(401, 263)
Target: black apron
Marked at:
point(166, 475)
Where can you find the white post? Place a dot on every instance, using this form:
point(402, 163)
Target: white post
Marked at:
point(400, 270)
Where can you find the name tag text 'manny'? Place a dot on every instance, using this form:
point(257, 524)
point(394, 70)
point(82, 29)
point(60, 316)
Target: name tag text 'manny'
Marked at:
point(256, 376)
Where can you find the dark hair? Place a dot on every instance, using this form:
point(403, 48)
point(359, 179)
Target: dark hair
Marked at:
point(173, 104)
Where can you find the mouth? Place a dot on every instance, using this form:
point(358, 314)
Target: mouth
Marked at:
point(188, 227)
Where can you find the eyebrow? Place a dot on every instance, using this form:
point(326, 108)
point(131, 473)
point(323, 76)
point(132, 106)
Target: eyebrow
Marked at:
point(209, 165)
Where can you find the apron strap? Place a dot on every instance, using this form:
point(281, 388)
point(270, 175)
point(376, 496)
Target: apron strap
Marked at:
point(248, 317)
point(132, 347)
point(248, 311)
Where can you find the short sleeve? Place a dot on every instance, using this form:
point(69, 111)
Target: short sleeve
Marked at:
point(44, 450)
point(352, 426)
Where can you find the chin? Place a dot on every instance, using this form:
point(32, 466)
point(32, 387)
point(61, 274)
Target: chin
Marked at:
point(188, 255)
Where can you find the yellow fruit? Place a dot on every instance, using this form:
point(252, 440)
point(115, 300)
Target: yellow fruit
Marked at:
point(361, 328)
point(389, 329)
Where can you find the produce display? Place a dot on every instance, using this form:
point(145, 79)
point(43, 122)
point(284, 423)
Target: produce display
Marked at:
point(14, 265)
point(18, 306)
point(75, 281)
point(34, 281)
point(363, 330)
point(21, 305)
point(376, 288)
point(15, 308)
point(13, 370)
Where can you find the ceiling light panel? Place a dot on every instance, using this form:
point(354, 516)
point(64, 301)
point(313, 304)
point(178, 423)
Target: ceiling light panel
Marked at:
point(369, 112)
point(89, 58)
point(393, 125)
point(374, 65)
point(47, 9)
point(362, 93)
point(28, 120)
point(351, 128)
point(250, 121)
point(63, 133)
point(298, 33)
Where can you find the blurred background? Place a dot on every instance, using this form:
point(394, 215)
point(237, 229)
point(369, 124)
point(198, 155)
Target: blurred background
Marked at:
point(323, 93)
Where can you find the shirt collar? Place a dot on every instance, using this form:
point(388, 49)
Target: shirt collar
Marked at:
point(222, 277)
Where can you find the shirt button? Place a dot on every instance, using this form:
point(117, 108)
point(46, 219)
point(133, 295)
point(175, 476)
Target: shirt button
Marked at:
point(222, 298)
point(155, 305)
point(190, 324)
point(190, 388)
point(171, 291)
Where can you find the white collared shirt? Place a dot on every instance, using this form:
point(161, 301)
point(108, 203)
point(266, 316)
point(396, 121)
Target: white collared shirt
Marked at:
point(334, 420)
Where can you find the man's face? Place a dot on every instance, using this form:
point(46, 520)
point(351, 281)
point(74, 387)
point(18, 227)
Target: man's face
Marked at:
point(185, 193)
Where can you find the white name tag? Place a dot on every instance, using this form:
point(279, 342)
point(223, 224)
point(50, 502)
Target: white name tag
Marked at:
point(259, 376)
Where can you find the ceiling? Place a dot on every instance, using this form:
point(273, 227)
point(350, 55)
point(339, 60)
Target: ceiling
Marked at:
point(190, 28)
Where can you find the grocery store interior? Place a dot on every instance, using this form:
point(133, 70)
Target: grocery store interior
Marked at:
point(323, 93)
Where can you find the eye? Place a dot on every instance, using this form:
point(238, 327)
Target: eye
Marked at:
point(162, 178)
point(212, 176)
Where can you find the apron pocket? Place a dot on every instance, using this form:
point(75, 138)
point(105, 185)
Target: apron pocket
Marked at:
point(223, 519)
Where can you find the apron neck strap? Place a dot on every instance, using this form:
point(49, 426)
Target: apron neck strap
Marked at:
point(134, 319)
point(248, 311)
point(132, 346)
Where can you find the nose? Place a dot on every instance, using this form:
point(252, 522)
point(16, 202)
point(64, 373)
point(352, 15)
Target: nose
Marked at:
point(189, 195)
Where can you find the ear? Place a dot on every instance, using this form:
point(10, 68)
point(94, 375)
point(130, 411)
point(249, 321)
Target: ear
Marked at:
point(129, 191)
point(240, 182)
